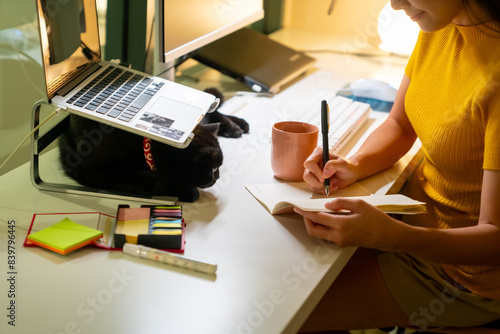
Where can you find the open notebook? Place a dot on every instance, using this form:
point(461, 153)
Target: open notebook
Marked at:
point(282, 197)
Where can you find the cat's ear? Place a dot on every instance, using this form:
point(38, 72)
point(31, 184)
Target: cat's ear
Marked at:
point(213, 128)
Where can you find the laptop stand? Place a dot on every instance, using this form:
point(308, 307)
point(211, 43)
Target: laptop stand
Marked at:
point(41, 142)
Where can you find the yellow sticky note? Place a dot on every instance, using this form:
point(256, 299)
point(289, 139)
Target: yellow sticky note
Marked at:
point(65, 236)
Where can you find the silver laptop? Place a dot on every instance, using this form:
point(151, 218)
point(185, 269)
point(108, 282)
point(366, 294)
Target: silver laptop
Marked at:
point(78, 80)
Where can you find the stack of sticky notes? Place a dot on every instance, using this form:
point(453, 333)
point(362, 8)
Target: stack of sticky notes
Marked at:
point(65, 236)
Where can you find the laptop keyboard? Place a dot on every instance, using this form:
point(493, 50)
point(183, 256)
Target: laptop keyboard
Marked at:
point(116, 93)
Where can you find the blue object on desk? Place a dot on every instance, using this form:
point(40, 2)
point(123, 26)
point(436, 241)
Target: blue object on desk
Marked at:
point(377, 105)
point(378, 94)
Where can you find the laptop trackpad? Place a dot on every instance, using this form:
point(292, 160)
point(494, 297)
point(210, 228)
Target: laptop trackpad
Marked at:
point(183, 114)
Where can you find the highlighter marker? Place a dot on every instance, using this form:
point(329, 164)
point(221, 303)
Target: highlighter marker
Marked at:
point(165, 219)
point(166, 231)
point(159, 215)
point(175, 207)
point(169, 258)
point(167, 211)
point(166, 225)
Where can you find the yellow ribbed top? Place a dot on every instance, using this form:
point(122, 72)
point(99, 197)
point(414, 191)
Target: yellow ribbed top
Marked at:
point(453, 103)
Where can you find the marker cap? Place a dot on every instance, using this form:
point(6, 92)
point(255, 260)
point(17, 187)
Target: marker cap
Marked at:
point(132, 249)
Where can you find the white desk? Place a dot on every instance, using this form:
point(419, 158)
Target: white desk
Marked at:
point(270, 272)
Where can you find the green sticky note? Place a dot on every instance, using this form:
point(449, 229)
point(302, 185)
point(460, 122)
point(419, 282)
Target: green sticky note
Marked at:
point(65, 236)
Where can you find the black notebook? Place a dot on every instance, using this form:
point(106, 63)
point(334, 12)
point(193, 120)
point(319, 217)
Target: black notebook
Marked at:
point(252, 57)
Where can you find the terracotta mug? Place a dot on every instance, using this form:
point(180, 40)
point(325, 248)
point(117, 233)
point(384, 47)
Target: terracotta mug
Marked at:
point(291, 144)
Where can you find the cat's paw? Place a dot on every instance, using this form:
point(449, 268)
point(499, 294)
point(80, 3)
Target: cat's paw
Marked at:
point(229, 129)
point(241, 123)
point(230, 126)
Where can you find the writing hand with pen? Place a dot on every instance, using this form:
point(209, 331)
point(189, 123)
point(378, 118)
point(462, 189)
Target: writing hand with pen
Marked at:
point(364, 226)
point(340, 171)
point(325, 172)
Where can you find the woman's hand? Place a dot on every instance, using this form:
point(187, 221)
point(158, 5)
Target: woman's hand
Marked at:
point(339, 170)
point(363, 226)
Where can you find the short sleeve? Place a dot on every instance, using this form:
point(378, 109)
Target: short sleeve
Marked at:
point(411, 62)
point(491, 139)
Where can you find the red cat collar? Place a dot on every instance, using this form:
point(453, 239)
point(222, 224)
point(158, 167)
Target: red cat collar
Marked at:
point(146, 144)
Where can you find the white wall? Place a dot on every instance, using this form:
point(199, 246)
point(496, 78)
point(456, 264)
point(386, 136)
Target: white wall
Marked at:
point(356, 18)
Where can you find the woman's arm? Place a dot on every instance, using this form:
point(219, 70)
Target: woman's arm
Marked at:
point(389, 142)
point(478, 245)
point(383, 147)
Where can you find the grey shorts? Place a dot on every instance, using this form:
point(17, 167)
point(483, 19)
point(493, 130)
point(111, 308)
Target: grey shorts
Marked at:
point(430, 298)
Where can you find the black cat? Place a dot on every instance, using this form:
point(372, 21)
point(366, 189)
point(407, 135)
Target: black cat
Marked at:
point(103, 157)
point(230, 126)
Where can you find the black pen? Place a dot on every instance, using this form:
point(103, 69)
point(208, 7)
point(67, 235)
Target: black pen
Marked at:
point(325, 125)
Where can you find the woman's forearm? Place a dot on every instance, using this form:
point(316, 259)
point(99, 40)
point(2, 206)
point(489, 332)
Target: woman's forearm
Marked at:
point(382, 149)
point(389, 142)
point(479, 244)
point(474, 245)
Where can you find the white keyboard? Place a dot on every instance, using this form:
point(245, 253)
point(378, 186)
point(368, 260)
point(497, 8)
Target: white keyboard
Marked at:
point(346, 117)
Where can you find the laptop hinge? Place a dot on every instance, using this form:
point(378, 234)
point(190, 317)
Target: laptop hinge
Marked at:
point(78, 79)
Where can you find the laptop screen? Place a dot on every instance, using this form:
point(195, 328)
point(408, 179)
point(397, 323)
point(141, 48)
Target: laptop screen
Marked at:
point(69, 38)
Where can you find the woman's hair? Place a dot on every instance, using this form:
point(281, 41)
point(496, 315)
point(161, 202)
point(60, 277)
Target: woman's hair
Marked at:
point(492, 7)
